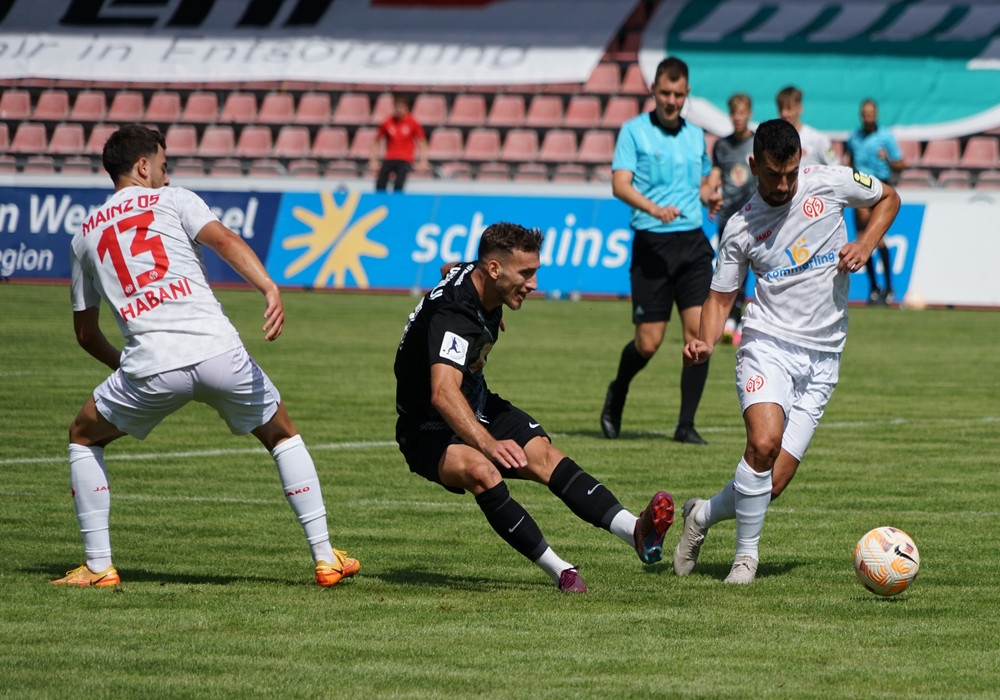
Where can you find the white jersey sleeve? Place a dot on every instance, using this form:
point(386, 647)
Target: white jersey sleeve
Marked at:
point(137, 253)
point(793, 251)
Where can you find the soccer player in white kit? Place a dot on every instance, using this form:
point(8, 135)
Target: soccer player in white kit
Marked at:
point(139, 253)
point(792, 234)
point(816, 147)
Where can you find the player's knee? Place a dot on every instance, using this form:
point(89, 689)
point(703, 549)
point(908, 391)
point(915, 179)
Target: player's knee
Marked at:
point(764, 449)
point(480, 475)
point(647, 346)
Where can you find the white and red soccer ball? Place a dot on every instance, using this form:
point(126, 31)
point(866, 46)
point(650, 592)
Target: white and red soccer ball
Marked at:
point(886, 561)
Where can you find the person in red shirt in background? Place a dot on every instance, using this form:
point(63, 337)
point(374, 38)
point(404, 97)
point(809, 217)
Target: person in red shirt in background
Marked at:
point(402, 133)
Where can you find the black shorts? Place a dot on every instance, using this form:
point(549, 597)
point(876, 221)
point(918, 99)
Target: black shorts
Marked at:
point(668, 268)
point(424, 447)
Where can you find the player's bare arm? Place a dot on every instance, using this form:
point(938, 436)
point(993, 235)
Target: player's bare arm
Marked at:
point(709, 193)
point(448, 399)
point(240, 256)
point(622, 188)
point(86, 325)
point(855, 254)
point(714, 313)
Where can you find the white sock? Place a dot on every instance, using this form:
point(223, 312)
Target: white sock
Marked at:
point(721, 506)
point(753, 495)
point(623, 525)
point(92, 500)
point(301, 486)
point(552, 564)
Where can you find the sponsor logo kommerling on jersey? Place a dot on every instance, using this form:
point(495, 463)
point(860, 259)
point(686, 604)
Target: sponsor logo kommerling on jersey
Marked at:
point(801, 260)
point(958, 29)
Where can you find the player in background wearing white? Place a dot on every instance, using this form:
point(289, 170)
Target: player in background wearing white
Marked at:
point(816, 147)
point(793, 235)
point(138, 253)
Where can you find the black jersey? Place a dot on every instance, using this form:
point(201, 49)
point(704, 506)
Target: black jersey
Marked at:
point(449, 325)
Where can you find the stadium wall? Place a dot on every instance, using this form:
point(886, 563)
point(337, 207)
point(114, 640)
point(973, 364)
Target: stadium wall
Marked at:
point(345, 236)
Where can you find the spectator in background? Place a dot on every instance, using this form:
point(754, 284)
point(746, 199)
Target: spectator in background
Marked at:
point(731, 170)
point(403, 135)
point(660, 169)
point(816, 148)
point(873, 150)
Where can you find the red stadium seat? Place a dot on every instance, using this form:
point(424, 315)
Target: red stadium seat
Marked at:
point(430, 109)
point(254, 142)
point(456, 171)
point(303, 167)
point(226, 167)
point(583, 112)
point(77, 165)
point(15, 104)
point(352, 109)
point(98, 137)
point(164, 108)
point(127, 107)
point(507, 110)
point(187, 167)
point(468, 110)
point(276, 108)
point(988, 180)
point(8, 164)
point(911, 152)
point(942, 153)
point(342, 169)
point(981, 152)
point(483, 144)
point(445, 143)
point(239, 108)
point(619, 110)
point(954, 179)
point(531, 172)
point(605, 80)
point(362, 143)
point(218, 141)
point(544, 112)
point(265, 167)
point(201, 108)
point(558, 146)
point(182, 140)
point(916, 177)
point(4, 137)
point(89, 106)
point(293, 142)
point(493, 172)
point(596, 147)
point(331, 143)
point(569, 172)
point(521, 145)
point(67, 139)
point(39, 165)
point(314, 108)
point(30, 137)
point(634, 83)
point(52, 106)
point(382, 109)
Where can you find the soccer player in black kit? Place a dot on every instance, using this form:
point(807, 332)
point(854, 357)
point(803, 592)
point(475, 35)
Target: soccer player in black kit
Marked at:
point(453, 431)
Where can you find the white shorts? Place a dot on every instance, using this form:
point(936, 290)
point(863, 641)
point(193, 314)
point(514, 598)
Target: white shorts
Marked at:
point(800, 380)
point(231, 383)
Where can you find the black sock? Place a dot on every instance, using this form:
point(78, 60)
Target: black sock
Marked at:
point(692, 385)
point(630, 364)
point(586, 496)
point(887, 266)
point(512, 522)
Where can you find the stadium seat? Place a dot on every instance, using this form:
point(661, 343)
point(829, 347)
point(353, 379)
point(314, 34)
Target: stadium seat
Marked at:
point(314, 108)
point(98, 137)
point(39, 165)
point(4, 137)
point(544, 112)
point(226, 167)
point(67, 139)
point(342, 169)
point(507, 111)
point(15, 104)
point(583, 112)
point(30, 137)
point(164, 108)
point(187, 167)
point(911, 152)
point(634, 83)
point(619, 110)
point(294, 142)
point(8, 164)
point(77, 165)
point(127, 107)
point(981, 152)
point(430, 110)
point(493, 172)
point(955, 179)
point(254, 142)
point(331, 143)
point(596, 147)
point(649, 104)
point(916, 177)
point(468, 110)
point(520, 145)
point(239, 108)
point(445, 143)
point(988, 180)
point(265, 167)
point(361, 143)
point(455, 171)
point(382, 109)
point(483, 144)
point(353, 108)
point(558, 146)
point(218, 141)
point(182, 140)
point(89, 106)
point(569, 172)
point(531, 172)
point(201, 108)
point(604, 80)
point(601, 173)
point(942, 153)
point(52, 106)
point(276, 108)
point(303, 167)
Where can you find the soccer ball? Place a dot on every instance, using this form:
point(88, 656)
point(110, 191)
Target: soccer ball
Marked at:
point(886, 561)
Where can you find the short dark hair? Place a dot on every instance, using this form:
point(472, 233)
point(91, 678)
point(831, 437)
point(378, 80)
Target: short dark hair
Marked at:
point(673, 67)
point(505, 237)
point(777, 138)
point(788, 95)
point(126, 146)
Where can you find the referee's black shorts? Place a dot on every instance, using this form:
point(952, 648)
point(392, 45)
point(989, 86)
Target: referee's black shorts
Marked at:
point(669, 268)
